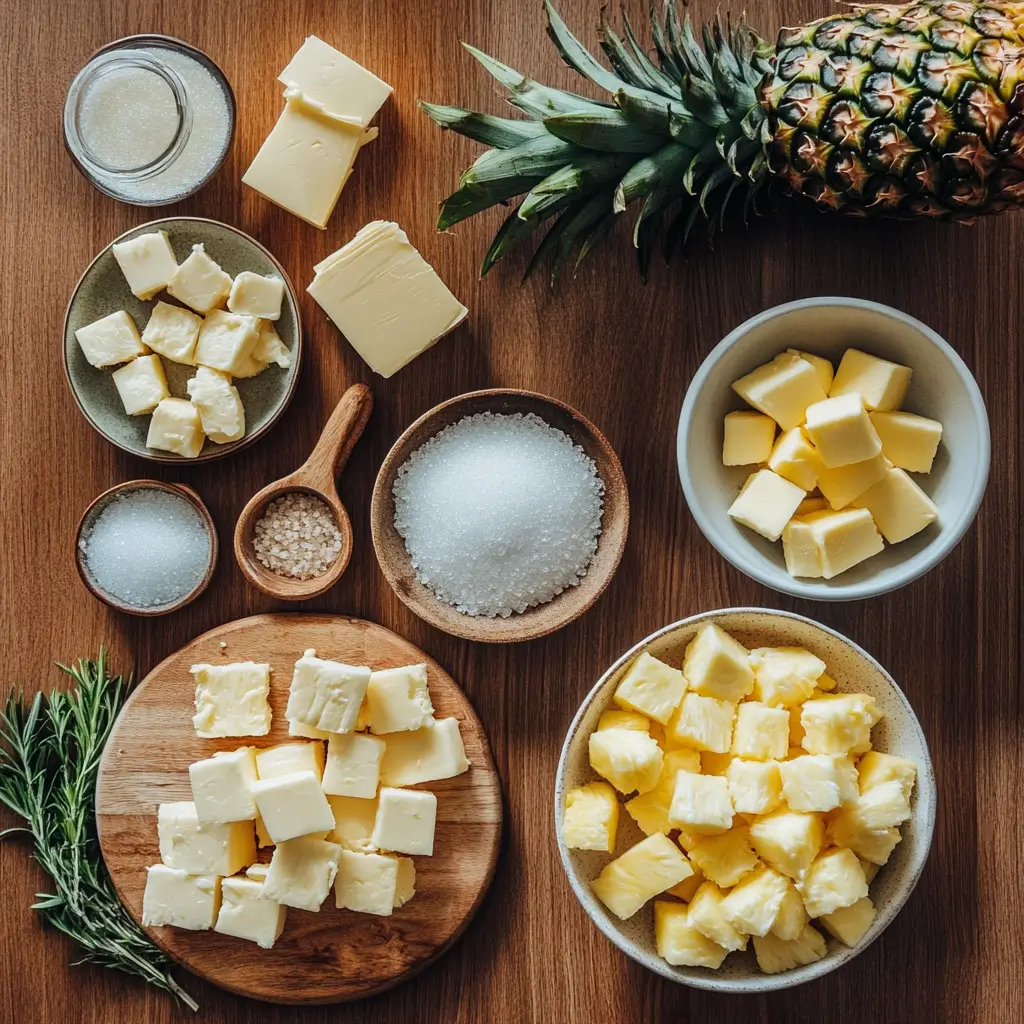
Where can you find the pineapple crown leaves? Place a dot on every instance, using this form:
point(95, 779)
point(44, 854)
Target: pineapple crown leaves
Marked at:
point(681, 133)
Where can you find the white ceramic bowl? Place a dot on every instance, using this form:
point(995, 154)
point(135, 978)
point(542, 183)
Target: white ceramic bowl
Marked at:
point(942, 388)
point(899, 732)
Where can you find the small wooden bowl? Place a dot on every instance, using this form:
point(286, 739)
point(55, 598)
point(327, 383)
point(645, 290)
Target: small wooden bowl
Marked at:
point(99, 503)
point(396, 564)
point(316, 476)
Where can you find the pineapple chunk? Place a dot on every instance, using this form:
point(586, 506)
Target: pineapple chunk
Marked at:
point(714, 764)
point(775, 955)
point(784, 676)
point(875, 768)
point(796, 729)
point(870, 870)
point(657, 731)
point(788, 840)
point(650, 810)
point(811, 782)
point(705, 914)
point(703, 722)
point(701, 803)
point(753, 906)
point(840, 724)
point(652, 688)
point(826, 683)
point(792, 917)
point(848, 924)
point(755, 786)
point(874, 845)
point(846, 770)
point(623, 720)
point(628, 759)
point(882, 806)
point(642, 872)
point(679, 943)
point(718, 666)
point(591, 817)
point(834, 880)
point(726, 858)
point(761, 732)
point(685, 889)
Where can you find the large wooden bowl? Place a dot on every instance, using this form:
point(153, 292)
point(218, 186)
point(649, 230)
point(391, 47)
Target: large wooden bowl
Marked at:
point(394, 558)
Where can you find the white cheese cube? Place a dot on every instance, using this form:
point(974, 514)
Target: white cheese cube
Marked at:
point(881, 384)
point(245, 915)
point(147, 262)
point(110, 340)
point(716, 665)
point(174, 897)
point(326, 694)
point(782, 389)
point(353, 765)
point(366, 882)
point(199, 282)
point(795, 459)
point(219, 404)
point(766, 503)
point(301, 873)
point(748, 439)
point(173, 331)
point(203, 849)
point(353, 822)
point(652, 688)
point(255, 295)
point(701, 803)
point(231, 700)
point(398, 700)
point(292, 805)
point(841, 431)
point(405, 821)
point(222, 786)
point(405, 882)
point(844, 539)
point(269, 349)
point(761, 733)
point(431, 753)
point(226, 340)
point(176, 427)
point(141, 385)
point(898, 506)
point(285, 758)
point(908, 441)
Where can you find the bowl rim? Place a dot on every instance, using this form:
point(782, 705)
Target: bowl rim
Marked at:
point(220, 451)
point(903, 574)
point(769, 982)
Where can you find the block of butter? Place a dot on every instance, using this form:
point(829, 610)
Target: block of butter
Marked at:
point(353, 765)
point(244, 914)
point(176, 427)
point(844, 539)
point(353, 822)
point(748, 438)
point(766, 503)
point(203, 848)
point(111, 340)
point(147, 262)
point(326, 694)
point(908, 441)
point(231, 700)
point(898, 506)
point(219, 403)
point(881, 384)
point(366, 883)
point(782, 389)
point(174, 897)
point(141, 384)
point(398, 699)
point(433, 752)
point(301, 873)
point(292, 805)
point(286, 758)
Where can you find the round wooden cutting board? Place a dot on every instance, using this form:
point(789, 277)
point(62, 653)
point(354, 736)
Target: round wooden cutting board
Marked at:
point(335, 954)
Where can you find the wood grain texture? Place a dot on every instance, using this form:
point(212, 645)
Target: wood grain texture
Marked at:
point(334, 954)
point(619, 351)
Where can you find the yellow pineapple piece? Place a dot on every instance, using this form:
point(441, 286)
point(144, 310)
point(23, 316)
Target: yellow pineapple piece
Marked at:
point(650, 810)
point(714, 764)
point(685, 889)
point(628, 759)
point(792, 917)
point(788, 840)
point(839, 724)
point(716, 665)
point(701, 803)
point(796, 729)
point(623, 720)
point(875, 768)
point(726, 858)
point(874, 845)
point(761, 733)
point(834, 880)
point(849, 924)
point(812, 782)
point(775, 955)
point(642, 872)
point(753, 905)
point(657, 731)
point(703, 723)
point(705, 914)
point(870, 870)
point(591, 817)
point(826, 683)
point(652, 688)
point(679, 943)
point(882, 806)
point(688, 839)
point(784, 676)
point(755, 786)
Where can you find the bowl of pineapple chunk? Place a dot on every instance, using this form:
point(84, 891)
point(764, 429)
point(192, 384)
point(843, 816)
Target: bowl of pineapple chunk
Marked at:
point(744, 801)
point(833, 448)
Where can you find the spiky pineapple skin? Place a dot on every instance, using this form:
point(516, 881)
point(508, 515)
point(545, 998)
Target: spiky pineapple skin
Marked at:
point(913, 110)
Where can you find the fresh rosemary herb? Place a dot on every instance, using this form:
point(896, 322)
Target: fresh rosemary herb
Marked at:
point(50, 752)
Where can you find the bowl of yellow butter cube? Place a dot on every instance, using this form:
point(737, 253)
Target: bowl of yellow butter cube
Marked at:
point(744, 801)
point(833, 448)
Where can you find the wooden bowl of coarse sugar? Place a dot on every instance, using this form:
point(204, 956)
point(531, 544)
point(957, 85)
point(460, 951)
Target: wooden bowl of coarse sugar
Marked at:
point(407, 580)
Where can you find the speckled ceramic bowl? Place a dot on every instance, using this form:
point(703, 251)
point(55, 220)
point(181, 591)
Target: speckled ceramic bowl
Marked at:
point(103, 290)
point(899, 732)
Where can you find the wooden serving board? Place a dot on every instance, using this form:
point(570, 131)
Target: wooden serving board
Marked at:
point(335, 954)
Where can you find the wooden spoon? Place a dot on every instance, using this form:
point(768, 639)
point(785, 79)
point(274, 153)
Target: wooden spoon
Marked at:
point(315, 476)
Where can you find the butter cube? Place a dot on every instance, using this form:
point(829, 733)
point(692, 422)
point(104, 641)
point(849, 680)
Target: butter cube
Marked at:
point(110, 340)
point(842, 486)
point(795, 459)
point(872, 845)
point(641, 873)
point(405, 821)
point(326, 694)
point(808, 505)
point(717, 665)
point(301, 873)
point(881, 384)
point(219, 404)
point(434, 752)
point(874, 768)
point(650, 809)
point(792, 917)
point(703, 723)
point(308, 732)
point(775, 955)
point(821, 365)
point(226, 340)
point(353, 822)
point(782, 389)
point(788, 840)
point(908, 441)
point(366, 882)
point(244, 914)
point(844, 539)
point(841, 431)
point(839, 724)
point(176, 427)
point(752, 907)
point(255, 295)
point(754, 786)
point(285, 758)
point(705, 915)
point(231, 700)
point(269, 349)
point(784, 676)
point(850, 924)
point(591, 817)
point(398, 699)
point(141, 385)
point(898, 506)
point(800, 549)
point(222, 786)
point(623, 720)
point(199, 282)
point(724, 859)
point(811, 783)
point(701, 803)
point(748, 439)
point(761, 733)
point(353, 765)
point(292, 805)
point(405, 881)
point(172, 331)
point(834, 880)
point(679, 944)
point(628, 759)
point(147, 262)
point(203, 848)
point(766, 503)
point(652, 688)
point(174, 897)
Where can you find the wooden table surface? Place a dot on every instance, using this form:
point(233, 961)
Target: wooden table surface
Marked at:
point(622, 353)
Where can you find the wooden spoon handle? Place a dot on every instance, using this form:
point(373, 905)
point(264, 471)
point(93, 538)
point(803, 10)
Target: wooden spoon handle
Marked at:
point(339, 437)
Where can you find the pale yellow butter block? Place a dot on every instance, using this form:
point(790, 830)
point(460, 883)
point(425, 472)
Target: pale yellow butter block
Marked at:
point(325, 694)
point(841, 431)
point(842, 486)
point(353, 765)
point(652, 688)
point(795, 459)
point(176, 427)
point(285, 758)
point(909, 442)
point(172, 331)
point(590, 820)
point(701, 803)
point(147, 262)
point(141, 384)
point(174, 897)
point(203, 848)
point(628, 759)
point(353, 822)
point(405, 821)
point(748, 439)
point(844, 539)
point(680, 944)
point(219, 403)
point(231, 700)
point(292, 805)
point(226, 340)
point(398, 699)
point(644, 871)
point(199, 281)
point(222, 786)
point(717, 665)
point(703, 723)
point(110, 340)
point(244, 914)
point(256, 295)
point(898, 506)
point(811, 504)
point(366, 883)
point(821, 366)
point(800, 550)
point(881, 384)
point(782, 389)
point(766, 503)
point(301, 873)
point(434, 752)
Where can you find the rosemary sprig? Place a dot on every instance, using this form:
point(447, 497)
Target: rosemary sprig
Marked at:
point(50, 752)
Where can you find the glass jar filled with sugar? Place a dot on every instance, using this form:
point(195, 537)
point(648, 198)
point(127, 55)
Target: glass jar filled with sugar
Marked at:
point(149, 119)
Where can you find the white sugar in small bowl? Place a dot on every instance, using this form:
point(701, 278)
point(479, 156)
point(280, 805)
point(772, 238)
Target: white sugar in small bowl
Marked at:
point(942, 388)
point(899, 732)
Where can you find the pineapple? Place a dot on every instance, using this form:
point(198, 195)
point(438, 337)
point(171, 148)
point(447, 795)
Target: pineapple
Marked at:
point(650, 810)
point(716, 665)
point(839, 724)
point(726, 858)
point(788, 840)
point(703, 723)
point(883, 806)
point(641, 873)
point(679, 943)
point(874, 845)
point(761, 733)
point(903, 111)
point(714, 764)
point(701, 803)
point(811, 782)
point(623, 720)
point(755, 786)
point(825, 682)
point(651, 688)
point(591, 817)
point(685, 889)
point(875, 768)
point(792, 916)
point(848, 924)
point(753, 905)
point(628, 759)
point(784, 676)
point(705, 914)
point(870, 870)
point(775, 955)
point(833, 881)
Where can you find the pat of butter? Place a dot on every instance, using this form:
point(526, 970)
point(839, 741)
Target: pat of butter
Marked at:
point(433, 752)
point(199, 282)
point(256, 295)
point(244, 914)
point(203, 848)
point(147, 262)
point(898, 506)
point(908, 441)
point(405, 821)
point(176, 427)
point(881, 384)
point(172, 331)
point(292, 805)
point(800, 550)
point(174, 897)
point(269, 349)
point(219, 404)
point(841, 486)
point(285, 758)
point(821, 365)
point(257, 871)
point(748, 439)
point(141, 384)
point(841, 431)
point(353, 765)
point(811, 505)
point(231, 700)
point(307, 731)
point(326, 694)
point(226, 340)
point(301, 873)
point(398, 700)
point(353, 822)
point(844, 539)
point(366, 883)
point(110, 340)
point(222, 786)
point(795, 459)
point(782, 389)
point(766, 503)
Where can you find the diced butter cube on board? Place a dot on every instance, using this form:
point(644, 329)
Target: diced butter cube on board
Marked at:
point(881, 384)
point(231, 700)
point(811, 782)
point(650, 810)
point(147, 262)
point(301, 873)
point(821, 365)
point(199, 281)
point(717, 665)
point(816, 504)
point(226, 340)
point(651, 688)
point(909, 442)
point(775, 955)
point(792, 917)
point(724, 859)
point(222, 786)
point(590, 820)
point(245, 915)
point(800, 550)
point(141, 384)
point(176, 427)
point(353, 822)
point(761, 732)
point(174, 897)
point(172, 331)
point(842, 486)
point(292, 805)
point(256, 295)
point(844, 539)
point(755, 786)
point(834, 880)
point(753, 905)
point(220, 406)
point(644, 871)
point(285, 758)
point(899, 507)
point(788, 840)
point(701, 803)
point(766, 503)
point(705, 915)
point(366, 882)
point(782, 389)
point(785, 676)
point(398, 699)
point(703, 723)
point(839, 724)
point(795, 459)
point(874, 768)
point(326, 694)
point(299, 729)
point(405, 821)
point(353, 765)
point(678, 943)
point(110, 340)
point(850, 924)
point(405, 883)
point(623, 720)
point(426, 755)
point(841, 431)
point(203, 848)
point(748, 439)
point(630, 760)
